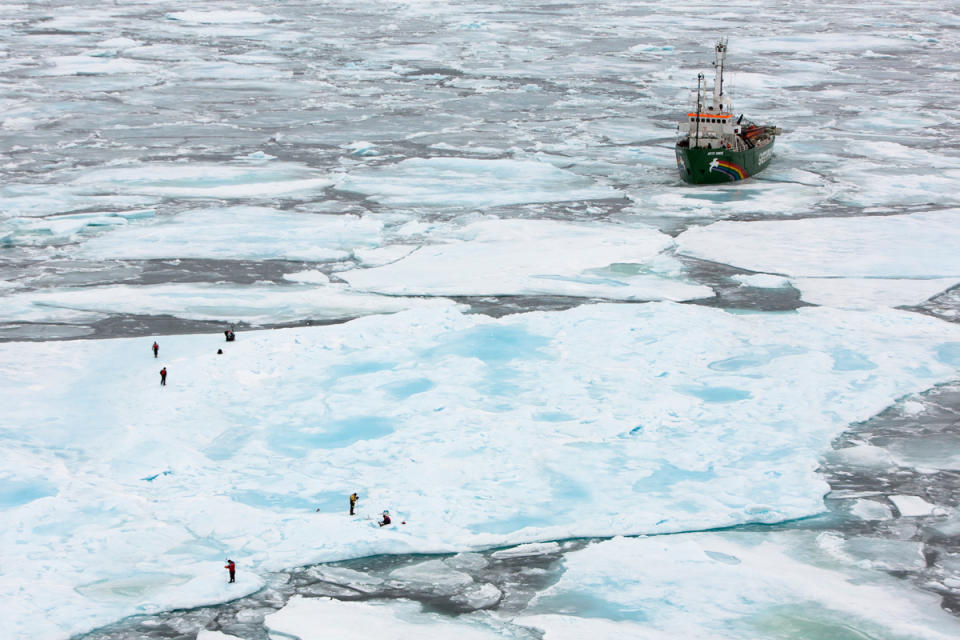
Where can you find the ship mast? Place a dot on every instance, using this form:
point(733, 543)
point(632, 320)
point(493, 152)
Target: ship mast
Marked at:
point(699, 94)
point(721, 51)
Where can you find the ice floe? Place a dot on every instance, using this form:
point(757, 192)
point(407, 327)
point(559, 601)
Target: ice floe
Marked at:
point(863, 293)
point(731, 586)
point(253, 304)
point(527, 424)
point(525, 257)
point(919, 245)
point(91, 65)
point(238, 233)
point(846, 262)
point(465, 182)
point(203, 180)
point(63, 229)
point(231, 16)
point(397, 620)
point(912, 506)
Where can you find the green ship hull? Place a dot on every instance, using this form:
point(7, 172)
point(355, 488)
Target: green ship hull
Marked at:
point(715, 166)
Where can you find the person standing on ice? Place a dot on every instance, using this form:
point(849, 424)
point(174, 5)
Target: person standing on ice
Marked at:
point(232, 568)
point(163, 377)
point(353, 501)
point(156, 348)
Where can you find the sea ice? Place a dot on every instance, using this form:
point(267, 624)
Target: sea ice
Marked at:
point(871, 510)
point(231, 16)
point(479, 596)
point(397, 620)
point(204, 180)
point(918, 245)
point(433, 576)
point(255, 304)
point(238, 233)
point(524, 257)
point(880, 553)
point(530, 549)
point(763, 281)
point(26, 200)
point(214, 635)
point(863, 293)
point(749, 198)
point(929, 452)
point(477, 432)
point(63, 229)
point(863, 456)
point(356, 580)
point(911, 506)
point(465, 182)
point(730, 586)
point(119, 497)
point(90, 65)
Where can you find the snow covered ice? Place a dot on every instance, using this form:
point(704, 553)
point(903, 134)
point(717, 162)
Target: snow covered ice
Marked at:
point(468, 284)
point(688, 430)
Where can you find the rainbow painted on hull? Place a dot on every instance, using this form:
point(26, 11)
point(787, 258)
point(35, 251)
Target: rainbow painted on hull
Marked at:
point(735, 171)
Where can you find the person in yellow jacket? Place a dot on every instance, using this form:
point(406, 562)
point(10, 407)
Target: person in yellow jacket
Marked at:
point(353, 501)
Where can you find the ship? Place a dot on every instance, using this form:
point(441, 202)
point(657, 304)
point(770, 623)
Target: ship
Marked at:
point(715, 146)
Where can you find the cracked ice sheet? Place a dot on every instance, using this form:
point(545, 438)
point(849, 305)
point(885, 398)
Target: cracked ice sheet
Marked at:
point(253, 304)
point(465, 182)
point(535, 257)
point(238, 233)
point(729, 586)
point(129, 501)
point(857, 261)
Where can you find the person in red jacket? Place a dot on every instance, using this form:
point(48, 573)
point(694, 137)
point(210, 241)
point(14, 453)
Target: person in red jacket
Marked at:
point(156, 349)
point(163, 377)
point(232, 568)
